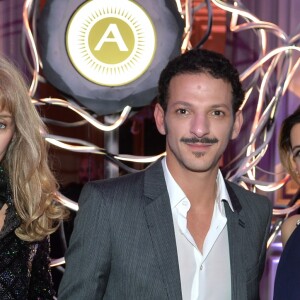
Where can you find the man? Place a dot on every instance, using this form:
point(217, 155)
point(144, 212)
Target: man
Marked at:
point(176, 230)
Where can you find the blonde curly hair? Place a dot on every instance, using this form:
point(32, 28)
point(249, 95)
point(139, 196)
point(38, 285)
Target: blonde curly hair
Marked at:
point(32, 182)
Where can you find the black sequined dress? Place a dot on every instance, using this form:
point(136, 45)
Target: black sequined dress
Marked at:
point(24, 266)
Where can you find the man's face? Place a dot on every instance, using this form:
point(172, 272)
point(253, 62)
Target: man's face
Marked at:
point(198, 123)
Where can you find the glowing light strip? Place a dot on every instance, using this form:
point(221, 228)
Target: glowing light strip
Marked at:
point(237, 11)
point(261, 101)
point(234, 9)
point(57, 262)
point(87, 116)
point(262, 25)
point(234, 17)
point(251, 172)
point(179, 7)
point(290, 75)
point(295, 39)
point(245, 166)
point(266, 186)
point(139, 159)
point(82, 146)
point(73, 148)
point(85, 147)
point(32, 47)
point(66, 201)
point(264, 59)
point(286, 211)
point(274, 233)
point(188, 26)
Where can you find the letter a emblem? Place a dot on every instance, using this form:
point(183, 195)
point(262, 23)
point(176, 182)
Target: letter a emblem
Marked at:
point(112, 30)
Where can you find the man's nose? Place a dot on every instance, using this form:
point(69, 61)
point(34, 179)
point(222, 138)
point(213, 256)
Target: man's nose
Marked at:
point(200, 125)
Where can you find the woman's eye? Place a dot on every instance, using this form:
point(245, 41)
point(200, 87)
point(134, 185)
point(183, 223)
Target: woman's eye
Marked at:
point(297, 154)
point(2, 126)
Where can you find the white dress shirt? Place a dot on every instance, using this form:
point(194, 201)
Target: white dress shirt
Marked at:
point(204, 276)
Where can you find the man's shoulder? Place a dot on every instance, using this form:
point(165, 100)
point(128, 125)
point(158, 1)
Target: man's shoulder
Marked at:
point(244, 194)
point(130, 178)
point(135, 178)
point(258, 208)
point(122, 179)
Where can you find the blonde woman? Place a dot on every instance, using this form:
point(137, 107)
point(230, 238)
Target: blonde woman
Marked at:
point(287, 279)
point(29, 212)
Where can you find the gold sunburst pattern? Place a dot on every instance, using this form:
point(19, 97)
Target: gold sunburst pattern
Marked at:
point(110, 43)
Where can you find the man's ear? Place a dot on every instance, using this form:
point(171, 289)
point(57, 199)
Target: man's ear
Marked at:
point(238, 122)
point(159, 116)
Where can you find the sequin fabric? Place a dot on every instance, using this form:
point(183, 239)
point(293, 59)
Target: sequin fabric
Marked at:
point(24, 266)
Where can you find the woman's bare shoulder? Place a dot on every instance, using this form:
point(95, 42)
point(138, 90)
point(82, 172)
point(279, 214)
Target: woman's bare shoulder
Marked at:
point(288, 227)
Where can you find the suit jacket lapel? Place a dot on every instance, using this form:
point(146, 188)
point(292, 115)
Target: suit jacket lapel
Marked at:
point(160, 223)
point(236, 235)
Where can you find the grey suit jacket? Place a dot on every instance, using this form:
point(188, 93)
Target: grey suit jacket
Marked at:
point(123, 244)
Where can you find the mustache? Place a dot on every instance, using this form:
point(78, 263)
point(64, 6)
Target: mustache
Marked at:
point(204, 140)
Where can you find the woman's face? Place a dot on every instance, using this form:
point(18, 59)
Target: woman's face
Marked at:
point(295, 142)
point(7, 130)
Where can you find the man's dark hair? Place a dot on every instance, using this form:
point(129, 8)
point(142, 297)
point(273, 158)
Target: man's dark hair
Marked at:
point(201, 61)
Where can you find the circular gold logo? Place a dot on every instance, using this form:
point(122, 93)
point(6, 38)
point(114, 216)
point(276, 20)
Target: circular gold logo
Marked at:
point(110, 43)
